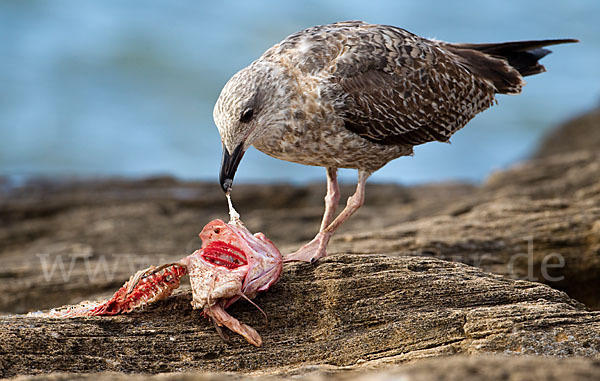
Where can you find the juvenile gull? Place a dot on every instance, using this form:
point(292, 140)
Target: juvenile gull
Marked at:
point(357, 95)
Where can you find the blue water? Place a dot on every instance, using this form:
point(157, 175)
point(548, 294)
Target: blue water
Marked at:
point(127, 88)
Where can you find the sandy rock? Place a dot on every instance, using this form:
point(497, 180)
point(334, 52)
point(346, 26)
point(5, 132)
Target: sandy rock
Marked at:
point(579, 133)
point(102, 231)
point(406, 284)
point(345, 310)
point(453, 368)
point(538, 221)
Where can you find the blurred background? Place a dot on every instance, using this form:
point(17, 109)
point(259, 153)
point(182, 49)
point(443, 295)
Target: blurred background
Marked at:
point(127, 88)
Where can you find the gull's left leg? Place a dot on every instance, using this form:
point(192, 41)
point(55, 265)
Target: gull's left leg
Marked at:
point(332, 198)
point(317, 248)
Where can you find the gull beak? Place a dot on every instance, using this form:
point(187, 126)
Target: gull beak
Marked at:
point(229, 165)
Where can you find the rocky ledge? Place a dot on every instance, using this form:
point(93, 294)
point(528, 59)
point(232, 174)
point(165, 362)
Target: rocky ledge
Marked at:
point(347, 310)
point(450, 277)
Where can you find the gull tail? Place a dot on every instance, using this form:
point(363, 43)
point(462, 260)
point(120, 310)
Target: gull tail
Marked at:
point(505, 64)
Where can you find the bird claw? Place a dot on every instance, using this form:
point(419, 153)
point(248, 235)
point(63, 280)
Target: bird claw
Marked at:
point(312, 251)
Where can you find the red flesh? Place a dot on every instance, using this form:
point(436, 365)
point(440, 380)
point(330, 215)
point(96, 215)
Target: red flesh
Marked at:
point(166, 280)
point(224, 254)
point(230, 254)
point(158, 285)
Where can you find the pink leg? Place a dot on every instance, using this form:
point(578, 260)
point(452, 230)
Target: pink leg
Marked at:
point(317, 248)
point(332, 198)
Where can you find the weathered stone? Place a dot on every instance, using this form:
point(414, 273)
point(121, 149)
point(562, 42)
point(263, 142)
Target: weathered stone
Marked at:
point(118, 227)
point(345, 310)
point(538, 221)
point(579, 133)
point(453, 368)
point(405, 297)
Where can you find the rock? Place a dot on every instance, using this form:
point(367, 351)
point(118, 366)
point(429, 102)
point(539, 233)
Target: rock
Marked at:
point(580, 133)
point(454, 368)
point(497, 368)
point(405, 285)
point(102, 231)
point(343, 311)
point(538, 221)
point(546, 209)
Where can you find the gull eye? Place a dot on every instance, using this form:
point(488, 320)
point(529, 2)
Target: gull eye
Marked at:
point(246, 115)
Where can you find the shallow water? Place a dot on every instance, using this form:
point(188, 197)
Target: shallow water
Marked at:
point(117, 88)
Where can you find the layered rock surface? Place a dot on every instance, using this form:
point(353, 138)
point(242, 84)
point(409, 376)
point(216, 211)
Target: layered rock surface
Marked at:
point(420, 272)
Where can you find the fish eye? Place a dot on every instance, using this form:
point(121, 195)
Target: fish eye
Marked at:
point(247, 115)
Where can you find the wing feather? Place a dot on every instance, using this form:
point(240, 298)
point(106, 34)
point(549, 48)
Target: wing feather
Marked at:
point(388, 85)
point(419, 93)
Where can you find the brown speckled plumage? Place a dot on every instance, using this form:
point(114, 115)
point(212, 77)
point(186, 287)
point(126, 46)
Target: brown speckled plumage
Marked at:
point(357, 95)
